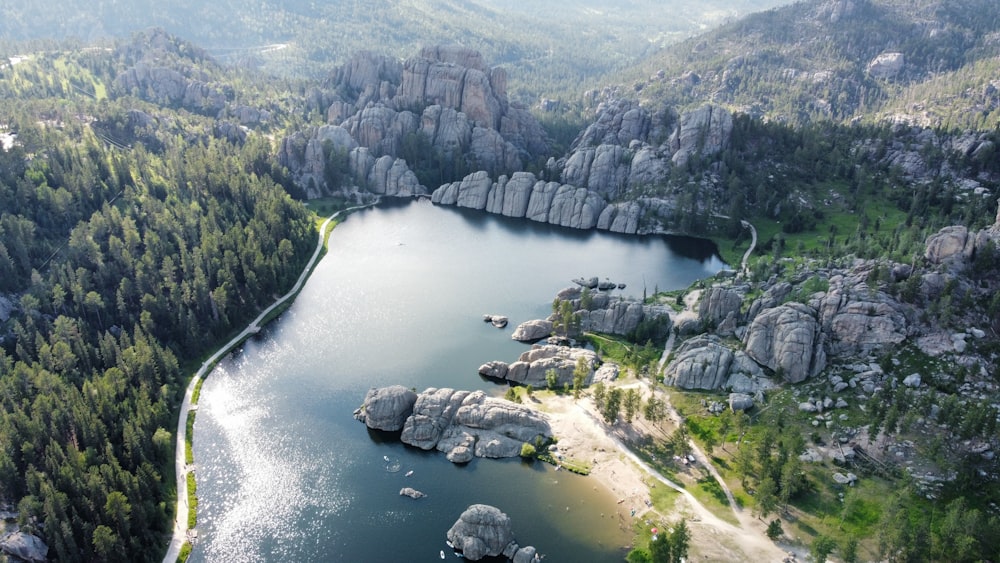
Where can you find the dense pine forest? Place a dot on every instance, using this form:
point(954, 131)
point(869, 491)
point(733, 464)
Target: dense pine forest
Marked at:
point(130, 259)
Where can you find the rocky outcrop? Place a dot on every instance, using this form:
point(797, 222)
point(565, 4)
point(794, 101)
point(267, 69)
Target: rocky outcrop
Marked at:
point(411, 492)
point(532, 331)
point(787, 339)
point(170, 72)
point(703, 362)
point(718, 303)
point(951, 246)
point(25, 547)
point(623, 317)
point(482, 531)
point(331, 151)
point(605, 314)
point(462, 424)
point(532, 366)
point(387, 408)
point(886, 65)
point(857, 320)
point(445, 100)
point(524, 196)
point(703, 131)
point(612, 156)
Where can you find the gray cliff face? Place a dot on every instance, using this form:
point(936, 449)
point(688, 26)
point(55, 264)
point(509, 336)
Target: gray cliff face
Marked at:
point(308, 153)
point(445, 94)
point(787, 339)
point(619, 152)
point(169, 87)
point(612, 315)
point(524, 196)
point(705, 131)
point(955, 247)
point(718, 303)
point(462, 424)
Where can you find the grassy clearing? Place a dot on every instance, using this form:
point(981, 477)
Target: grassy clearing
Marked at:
point(325, 206)
point(623, 352)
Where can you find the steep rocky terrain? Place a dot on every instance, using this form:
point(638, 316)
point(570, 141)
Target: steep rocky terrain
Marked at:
point(841, 60)
point(443, 107)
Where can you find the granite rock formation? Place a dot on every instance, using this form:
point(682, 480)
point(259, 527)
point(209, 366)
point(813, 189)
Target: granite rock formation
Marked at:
point(462, 424)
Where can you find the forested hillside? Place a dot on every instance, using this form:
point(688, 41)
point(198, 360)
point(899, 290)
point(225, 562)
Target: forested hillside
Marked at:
point(926, 62)
point(131, 249)
point(556, 46)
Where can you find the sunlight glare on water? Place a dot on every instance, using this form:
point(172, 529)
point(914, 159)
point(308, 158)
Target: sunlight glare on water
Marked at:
point(285, 472)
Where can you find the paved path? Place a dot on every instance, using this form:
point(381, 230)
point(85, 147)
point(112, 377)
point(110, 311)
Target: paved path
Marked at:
point(753, 244)
point(181, 468)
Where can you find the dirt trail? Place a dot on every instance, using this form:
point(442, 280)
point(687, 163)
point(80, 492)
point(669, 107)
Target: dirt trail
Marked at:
point(584, 436)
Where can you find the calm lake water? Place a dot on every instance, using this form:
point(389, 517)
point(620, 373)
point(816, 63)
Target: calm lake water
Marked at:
point(284, 471)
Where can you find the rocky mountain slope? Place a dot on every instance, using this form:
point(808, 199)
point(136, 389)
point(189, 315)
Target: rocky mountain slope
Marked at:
point(841, 60)
point(557, 45)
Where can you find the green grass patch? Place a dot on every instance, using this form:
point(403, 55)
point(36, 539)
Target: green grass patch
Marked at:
point(189, 438)
point(182, 557)
point(732, 250)
point(196, 392)
point(710, 494)
point(664, 498)
point(569, 464)
point(623, 352)
point(192, 490)
point(325, 206)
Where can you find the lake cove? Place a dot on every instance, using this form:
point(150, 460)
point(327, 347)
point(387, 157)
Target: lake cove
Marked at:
point(285, 472)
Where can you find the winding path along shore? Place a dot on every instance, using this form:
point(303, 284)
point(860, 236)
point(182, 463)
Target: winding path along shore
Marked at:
point(181, 468)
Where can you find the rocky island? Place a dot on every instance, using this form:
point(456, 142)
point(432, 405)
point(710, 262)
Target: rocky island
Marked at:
point(462, 424)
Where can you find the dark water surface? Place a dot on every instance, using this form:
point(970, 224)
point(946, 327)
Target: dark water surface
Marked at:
point(284, 471)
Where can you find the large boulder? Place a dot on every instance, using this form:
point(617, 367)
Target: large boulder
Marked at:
point(952, 246)
point(432, 414)
point(532, 331)
point(25, 547)
point(788, 340)
point(886, 65)
point(481, 531)
point(386, 408)
point(700, 363)
point(717, 303)
point(704, 362)
point(856, 321)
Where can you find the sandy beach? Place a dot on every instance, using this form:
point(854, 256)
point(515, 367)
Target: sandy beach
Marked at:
point(584, 436)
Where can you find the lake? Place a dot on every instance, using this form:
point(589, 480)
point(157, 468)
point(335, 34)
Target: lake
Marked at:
point(284, 471)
